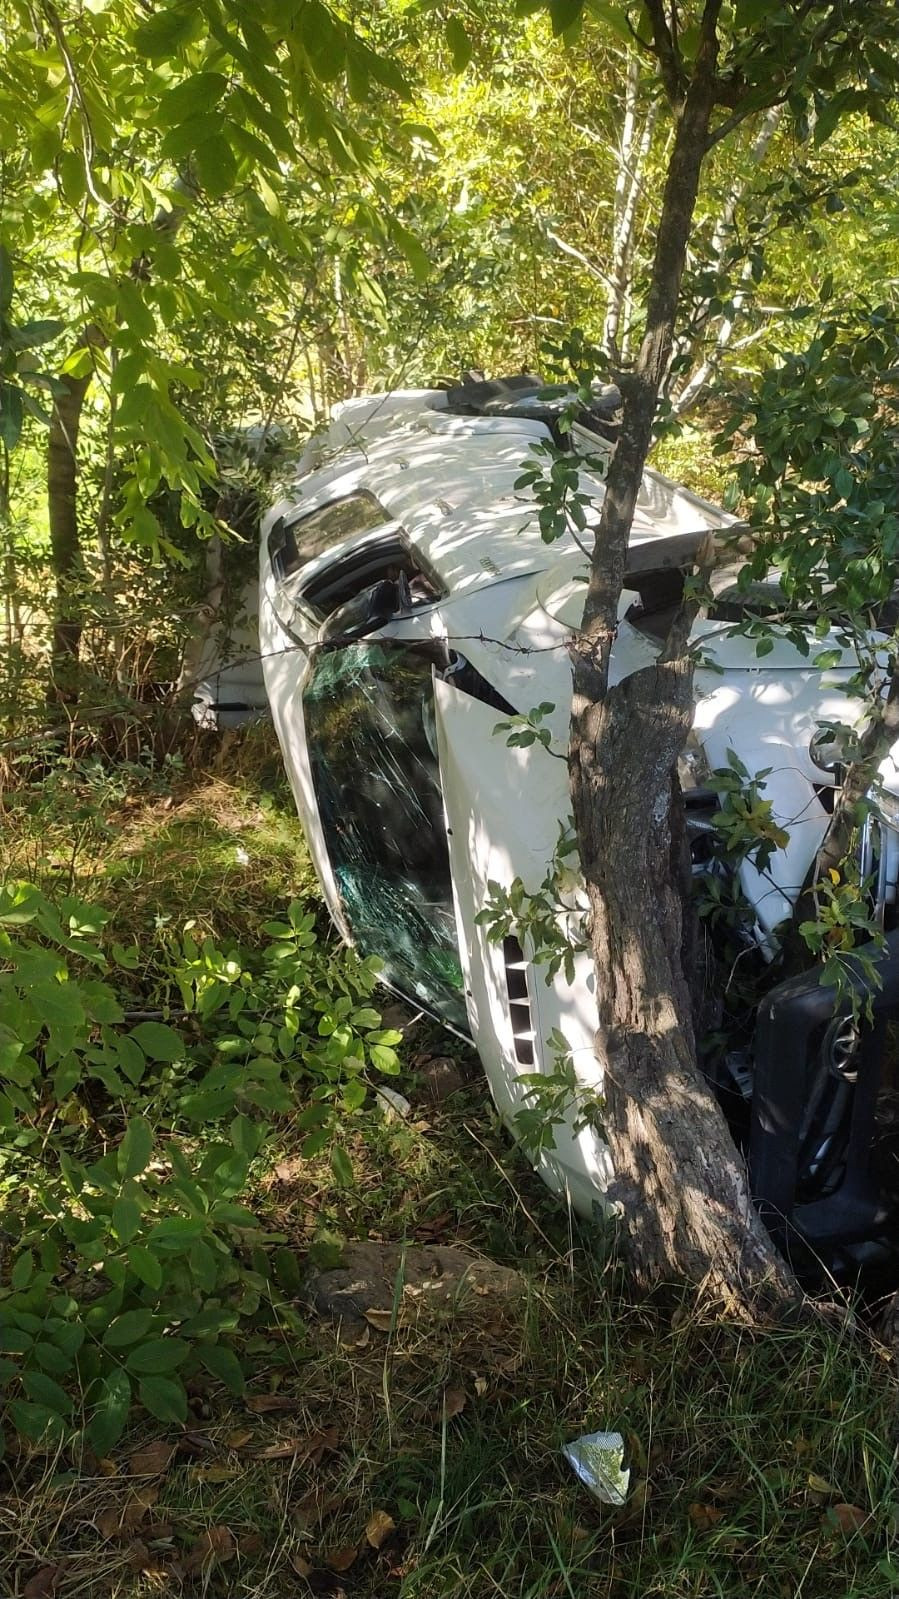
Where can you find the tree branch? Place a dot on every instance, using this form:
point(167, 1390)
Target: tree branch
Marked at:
point(666, 51)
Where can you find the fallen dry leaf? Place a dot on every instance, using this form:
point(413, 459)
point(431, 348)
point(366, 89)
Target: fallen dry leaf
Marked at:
point(311, 1448)
point(285, 1450)
point(138, 1555)
point(43, 1584)
point(107, 1467)
point(381, 1320)
point(214, 1546)
point(251, 1544)
point(197, 1443)
point(341, 1559)
point(848, 1518)
point(126, 1516)
point(379, 1527)
point(454, 1402)
point(261, 1404)
point(240, 1438)
point(313, 1508)
point(704, 1517)
point(301, 1566)
point(152, 1460)
point(156, 1531)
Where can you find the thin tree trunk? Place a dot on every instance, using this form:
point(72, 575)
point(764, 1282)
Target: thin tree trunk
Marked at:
point(65, 541)
point(695, 384)
point(679, 1179)
point(631, 160)
point(62, 479)
point(208, 614)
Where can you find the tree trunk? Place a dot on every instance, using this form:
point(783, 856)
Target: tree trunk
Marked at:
point(62, 479)
point(697, 381)
point(631, 161)
point(207, 616)
point(679, 1179)
point(65, 542)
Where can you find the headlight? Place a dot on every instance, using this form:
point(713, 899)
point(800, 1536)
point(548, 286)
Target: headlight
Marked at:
point(833, 746)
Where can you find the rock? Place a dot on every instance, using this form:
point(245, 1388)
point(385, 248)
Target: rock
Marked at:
point(441, 1076)
point(400, 1017)
point(435, 1277)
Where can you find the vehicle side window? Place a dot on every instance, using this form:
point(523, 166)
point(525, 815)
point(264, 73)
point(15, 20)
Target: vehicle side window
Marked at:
point(294, 540)
point(369, 716)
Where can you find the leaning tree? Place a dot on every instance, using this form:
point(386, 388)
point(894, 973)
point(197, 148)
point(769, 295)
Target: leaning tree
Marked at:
point(679, 1178)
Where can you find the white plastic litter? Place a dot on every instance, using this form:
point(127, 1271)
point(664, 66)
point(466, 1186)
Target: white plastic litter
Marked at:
point(597, 1459)
point(393, 1103)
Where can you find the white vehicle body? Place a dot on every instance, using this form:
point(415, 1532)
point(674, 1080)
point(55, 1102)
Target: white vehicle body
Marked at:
point(506, 603)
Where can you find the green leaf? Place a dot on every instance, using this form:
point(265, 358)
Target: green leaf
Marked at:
point(160, 1354)
point(7, 279)
point(416, 256)
point(35, 1421)
point(164, 1397)
point(43, 1390)
point(52, 1359)
point(196, 96)
point(216, 165)
point(31, 334)
point(67, 1076)
point(11, 412)
point(459, 43)
point(22, 1271)
point(385, 1059)
point(158, 1041)
point(136, 1147)
point(58, 1003)
point(161, 35)
point(322, 40)
point(564, 13)
point(224, 1364)
point(145, 1266)
point(107, 1423)
point(128, 1328)
point(342, 1166)
point(126, 1217)
point(131, 1058)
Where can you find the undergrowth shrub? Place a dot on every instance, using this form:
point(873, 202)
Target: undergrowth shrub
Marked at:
point(128, 1263)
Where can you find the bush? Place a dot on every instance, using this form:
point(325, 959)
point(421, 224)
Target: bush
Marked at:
point(127, 1141)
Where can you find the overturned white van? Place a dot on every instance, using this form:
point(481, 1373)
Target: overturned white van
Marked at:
point(408, 603)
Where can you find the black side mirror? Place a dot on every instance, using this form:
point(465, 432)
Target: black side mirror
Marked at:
point(363, 614)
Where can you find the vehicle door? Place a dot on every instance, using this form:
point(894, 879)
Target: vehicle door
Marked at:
point(368, 709)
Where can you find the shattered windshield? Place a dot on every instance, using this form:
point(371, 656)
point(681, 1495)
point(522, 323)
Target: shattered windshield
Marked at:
point(369, 724)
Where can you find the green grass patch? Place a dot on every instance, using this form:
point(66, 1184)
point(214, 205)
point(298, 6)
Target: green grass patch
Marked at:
point(762, 1462)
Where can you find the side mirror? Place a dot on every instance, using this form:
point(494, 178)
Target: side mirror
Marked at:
point(363, 614)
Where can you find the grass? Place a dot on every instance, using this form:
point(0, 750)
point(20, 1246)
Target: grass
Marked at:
point(762, 1462)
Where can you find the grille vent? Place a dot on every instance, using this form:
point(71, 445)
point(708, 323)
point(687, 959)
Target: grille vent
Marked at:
point(523, 1036)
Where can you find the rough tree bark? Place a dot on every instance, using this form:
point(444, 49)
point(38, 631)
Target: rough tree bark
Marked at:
point(65, 541)
point(679, 1178)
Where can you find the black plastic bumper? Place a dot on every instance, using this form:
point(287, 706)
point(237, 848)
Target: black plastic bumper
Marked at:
point(857, 1217)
